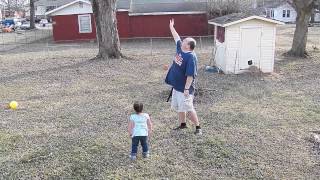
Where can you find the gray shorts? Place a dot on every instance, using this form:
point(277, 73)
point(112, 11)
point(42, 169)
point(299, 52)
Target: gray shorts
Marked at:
point(181, 103)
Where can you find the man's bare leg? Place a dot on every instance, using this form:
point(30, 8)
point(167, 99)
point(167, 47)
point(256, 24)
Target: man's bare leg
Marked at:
point(194, 118)
point(182, 120)
point(182, 117)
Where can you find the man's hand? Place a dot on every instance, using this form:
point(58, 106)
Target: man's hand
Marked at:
point(188, 86)
point(171, 23)
point(173, 31)
point(186, 93)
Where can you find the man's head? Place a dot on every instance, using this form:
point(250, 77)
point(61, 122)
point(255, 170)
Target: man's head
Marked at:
point(188, 44)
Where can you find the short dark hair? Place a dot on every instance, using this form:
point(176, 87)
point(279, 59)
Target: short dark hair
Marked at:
point(192, 45)
point(138, 107)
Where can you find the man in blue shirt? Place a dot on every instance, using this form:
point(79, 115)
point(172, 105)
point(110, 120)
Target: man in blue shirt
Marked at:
point(181, 76)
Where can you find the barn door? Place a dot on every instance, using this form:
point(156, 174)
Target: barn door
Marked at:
point(250, 50)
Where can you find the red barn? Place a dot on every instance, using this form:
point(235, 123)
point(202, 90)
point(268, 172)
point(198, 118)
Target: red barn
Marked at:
point(73, 21)
point(139, 18)
point(150, 18)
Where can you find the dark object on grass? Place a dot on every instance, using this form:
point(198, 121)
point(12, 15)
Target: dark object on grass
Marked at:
point(212, 69)
point(170, 95)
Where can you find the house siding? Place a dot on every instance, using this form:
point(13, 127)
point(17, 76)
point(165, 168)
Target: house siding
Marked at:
point(158, 25)
point(317, 17)
point(129, 25)
point(66, 28)
point(278, 13)
point(134, 26)
point(123, 24)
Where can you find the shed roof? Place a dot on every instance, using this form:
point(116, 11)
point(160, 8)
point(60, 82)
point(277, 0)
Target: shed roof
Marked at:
point(151, 6)
point(123, 4)
point(236, 18)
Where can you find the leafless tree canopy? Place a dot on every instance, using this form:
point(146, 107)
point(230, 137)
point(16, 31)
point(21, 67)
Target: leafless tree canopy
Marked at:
point(15, 5)
point(223, 7)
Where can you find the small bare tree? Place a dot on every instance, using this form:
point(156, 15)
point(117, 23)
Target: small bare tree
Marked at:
point(218, 8)
point(222, 7)
point(12, 5)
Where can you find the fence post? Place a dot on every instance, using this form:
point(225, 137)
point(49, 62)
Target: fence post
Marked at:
point(200, 43)
point(25, 36)
point(47, 48)
point(4, 46)
point(151, 43)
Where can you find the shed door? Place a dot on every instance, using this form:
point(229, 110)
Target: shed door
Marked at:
point(250, 52)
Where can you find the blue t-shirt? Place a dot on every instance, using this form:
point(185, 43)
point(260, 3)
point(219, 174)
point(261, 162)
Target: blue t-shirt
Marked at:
point(140, 124)
point(184, 64)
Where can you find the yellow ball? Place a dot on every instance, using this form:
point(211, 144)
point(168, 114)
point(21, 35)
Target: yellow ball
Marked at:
point(13, 105)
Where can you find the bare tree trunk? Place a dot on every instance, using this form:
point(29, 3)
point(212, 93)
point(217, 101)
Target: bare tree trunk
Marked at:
point(301, 33)
point(32, 13)
point(107, 32)
point(9, 8)
point(304, 10)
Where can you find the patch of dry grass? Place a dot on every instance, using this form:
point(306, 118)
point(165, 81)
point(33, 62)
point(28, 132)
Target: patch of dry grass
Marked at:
point(72, 118)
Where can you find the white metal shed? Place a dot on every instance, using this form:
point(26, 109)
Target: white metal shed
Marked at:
point(243, 41)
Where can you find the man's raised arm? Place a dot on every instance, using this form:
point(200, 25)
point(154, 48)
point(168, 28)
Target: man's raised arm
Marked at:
point(173, 31)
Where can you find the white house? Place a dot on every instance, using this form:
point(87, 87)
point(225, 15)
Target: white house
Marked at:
point(317, 16)
point(43, 6)
point(281, 11)
point(243, 41)
point(2, 6)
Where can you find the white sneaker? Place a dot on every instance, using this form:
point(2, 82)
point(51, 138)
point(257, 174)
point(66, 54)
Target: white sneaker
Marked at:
point(145, 155)
point(198, 132)
point(133, 158)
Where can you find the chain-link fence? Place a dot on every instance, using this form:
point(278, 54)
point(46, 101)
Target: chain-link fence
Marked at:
point(158, 45)
point(13, 40)
point(41, 41)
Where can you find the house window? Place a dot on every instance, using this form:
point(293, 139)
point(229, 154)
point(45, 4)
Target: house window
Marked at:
point(220, 34)
point(272, 13)
point(286, 13)
point(49, 8)
point(84, 22)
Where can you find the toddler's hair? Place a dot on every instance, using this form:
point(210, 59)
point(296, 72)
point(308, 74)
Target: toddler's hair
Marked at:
point(138, 107)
